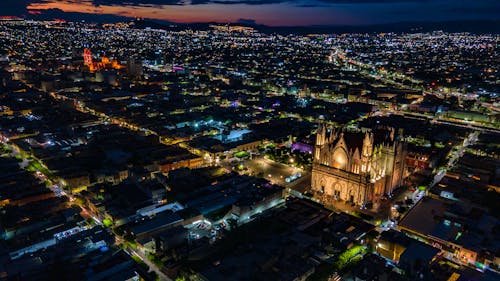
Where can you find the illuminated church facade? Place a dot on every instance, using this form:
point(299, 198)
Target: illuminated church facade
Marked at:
point(356, 166)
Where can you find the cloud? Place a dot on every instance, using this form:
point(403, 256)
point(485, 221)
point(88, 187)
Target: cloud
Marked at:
point(15, 7)
point(247, 21)
point(373, 1)
point(50, 14)
point(249, 2)
point(138, 3)
point(274, 12)
point(301, 3)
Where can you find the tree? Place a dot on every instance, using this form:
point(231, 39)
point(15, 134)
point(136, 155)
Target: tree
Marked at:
point(348, 255)
point(468, 104)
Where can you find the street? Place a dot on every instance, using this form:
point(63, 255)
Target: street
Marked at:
point(151, 265)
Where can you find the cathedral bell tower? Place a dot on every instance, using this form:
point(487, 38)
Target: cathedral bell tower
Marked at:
point(320, 138)
point(367, 152)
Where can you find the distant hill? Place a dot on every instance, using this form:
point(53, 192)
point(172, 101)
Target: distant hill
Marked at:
point(141, 24)
point(473, 26)
point(477, 26)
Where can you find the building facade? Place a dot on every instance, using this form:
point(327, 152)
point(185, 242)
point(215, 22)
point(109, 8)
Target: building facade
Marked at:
point(356, 166)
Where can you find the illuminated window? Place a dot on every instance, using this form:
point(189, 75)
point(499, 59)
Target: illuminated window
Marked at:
point(340, 159)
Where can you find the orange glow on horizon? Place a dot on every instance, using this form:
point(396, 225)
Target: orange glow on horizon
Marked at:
point(269, 14)
point(181, 14)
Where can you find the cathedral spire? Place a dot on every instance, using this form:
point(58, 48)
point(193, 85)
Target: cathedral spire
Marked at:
point(333, 135)
point(320, 138)
point(321, 135)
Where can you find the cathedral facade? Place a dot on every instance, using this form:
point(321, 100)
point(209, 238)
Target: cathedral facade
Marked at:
point(357, 167)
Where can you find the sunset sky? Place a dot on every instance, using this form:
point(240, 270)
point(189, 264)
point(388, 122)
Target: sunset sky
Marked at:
point(268, 12)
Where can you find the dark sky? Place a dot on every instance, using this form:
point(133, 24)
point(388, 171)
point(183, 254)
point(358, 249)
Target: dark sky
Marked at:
point(269, 12)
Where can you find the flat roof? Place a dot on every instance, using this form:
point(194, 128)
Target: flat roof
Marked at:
point(421, 217)
point(159, 221)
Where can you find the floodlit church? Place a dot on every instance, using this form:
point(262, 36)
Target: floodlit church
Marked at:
point(356, 166)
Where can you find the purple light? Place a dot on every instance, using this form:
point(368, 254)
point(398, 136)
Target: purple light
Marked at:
point(302, 147)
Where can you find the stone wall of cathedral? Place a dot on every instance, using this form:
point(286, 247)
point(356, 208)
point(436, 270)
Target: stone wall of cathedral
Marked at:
point(358, 176)
point(333, 184)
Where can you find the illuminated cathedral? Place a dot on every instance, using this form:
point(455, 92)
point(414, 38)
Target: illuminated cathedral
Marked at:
point(105, 63)
point(358, 167)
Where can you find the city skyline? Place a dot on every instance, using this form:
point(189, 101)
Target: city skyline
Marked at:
point(272, 12)
point(141, 151)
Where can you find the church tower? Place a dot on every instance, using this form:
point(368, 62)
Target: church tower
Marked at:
point(366, 153)
point(87, 57)
point(320, 138)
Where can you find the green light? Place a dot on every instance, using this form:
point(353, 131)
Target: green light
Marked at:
point(107, 222)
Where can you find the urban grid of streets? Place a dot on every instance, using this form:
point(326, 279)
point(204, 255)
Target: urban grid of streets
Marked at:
point(275, 172)
point(278, 172)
